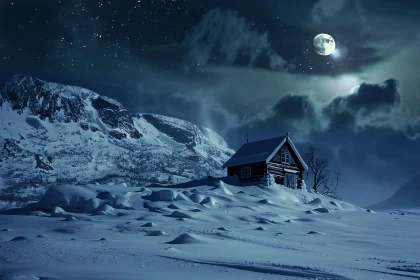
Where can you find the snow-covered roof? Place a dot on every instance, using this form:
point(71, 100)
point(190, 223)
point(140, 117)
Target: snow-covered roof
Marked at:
point(262, 150)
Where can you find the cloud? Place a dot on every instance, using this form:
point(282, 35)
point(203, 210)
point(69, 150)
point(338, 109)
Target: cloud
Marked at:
point(325, 9)
point(293, 112)
point(207, 111)
point(224, 37)
point(370, 106)
point(332, 12)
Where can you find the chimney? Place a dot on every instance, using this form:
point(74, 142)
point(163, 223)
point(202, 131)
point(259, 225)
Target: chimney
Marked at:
point(287, 135)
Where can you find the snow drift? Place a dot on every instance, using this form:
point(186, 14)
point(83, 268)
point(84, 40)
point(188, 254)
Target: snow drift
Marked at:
point(204, 229)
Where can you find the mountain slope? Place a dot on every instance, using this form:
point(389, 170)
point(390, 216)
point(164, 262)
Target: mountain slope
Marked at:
point(53, 133)
point(408, 196)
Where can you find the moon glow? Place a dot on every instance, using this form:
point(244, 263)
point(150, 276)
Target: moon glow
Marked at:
point(324, 44)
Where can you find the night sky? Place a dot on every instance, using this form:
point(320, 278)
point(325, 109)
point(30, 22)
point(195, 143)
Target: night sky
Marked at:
point(244, 66)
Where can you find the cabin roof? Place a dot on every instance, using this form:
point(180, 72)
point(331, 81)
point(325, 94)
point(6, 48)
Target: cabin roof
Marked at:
point(262, 150)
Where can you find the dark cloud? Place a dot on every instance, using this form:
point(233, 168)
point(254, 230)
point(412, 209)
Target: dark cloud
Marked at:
point(296, 107)
point(292, 112)
point(370, 106)
point(224, 37)
point(370, 103)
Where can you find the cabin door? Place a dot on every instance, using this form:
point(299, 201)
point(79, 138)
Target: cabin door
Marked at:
point(290, 180)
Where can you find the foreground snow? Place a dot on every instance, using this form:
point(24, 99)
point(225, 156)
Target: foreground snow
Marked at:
point(211, 229)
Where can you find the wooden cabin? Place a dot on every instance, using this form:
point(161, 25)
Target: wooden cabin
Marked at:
point(277, 156)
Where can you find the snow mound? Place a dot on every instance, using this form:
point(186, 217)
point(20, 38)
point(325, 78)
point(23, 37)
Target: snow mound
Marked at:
point(58, 212)
point(262, 220)
point(322, 210)
point(20, 238)
point(156, 233)
point(316, 201)
point(265, 201)
point(71, 198)
point(149, 224)
point(173, 206)
point(186, 238)
point(197, 198)
point(223, 229)
point(93, 204)
point(70, 219)
point(121, 202)
point(182, 197)
point(105, 209)
point(221, 188)
point(209, 201)
point(181, 215)
point(162, 195)
point(106, 195)
point(313, 232)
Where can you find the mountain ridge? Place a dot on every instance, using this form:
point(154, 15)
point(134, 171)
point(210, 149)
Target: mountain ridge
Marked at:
point(407, 196)
point(54, 133)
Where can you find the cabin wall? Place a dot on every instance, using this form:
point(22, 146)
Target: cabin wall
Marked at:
point(294, 161)
point(279, 174)
point(258, 170)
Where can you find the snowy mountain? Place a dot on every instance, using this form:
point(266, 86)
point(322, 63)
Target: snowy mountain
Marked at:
point(53, 133)
point(408, 196)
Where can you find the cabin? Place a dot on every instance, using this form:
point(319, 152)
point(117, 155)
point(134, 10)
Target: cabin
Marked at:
point(277, 156)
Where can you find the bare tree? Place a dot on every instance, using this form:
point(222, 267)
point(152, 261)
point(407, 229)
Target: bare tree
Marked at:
point(325, 181)
point(329, 188)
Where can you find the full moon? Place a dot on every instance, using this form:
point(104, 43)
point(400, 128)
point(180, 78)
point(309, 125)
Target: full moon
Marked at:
point(324, 44)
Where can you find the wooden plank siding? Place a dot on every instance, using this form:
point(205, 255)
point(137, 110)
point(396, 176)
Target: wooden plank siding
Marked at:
point(294, 161)
point(258, 170)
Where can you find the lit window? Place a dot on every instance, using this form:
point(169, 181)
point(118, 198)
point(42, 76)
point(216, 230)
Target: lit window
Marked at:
point(246, 172)
point(285, 158)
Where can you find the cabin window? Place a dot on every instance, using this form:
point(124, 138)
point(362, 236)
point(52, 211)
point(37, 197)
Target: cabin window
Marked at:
point(285, 158)
point(246, 172)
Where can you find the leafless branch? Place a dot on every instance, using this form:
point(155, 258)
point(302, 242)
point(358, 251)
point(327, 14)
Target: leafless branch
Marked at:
point(325, 181)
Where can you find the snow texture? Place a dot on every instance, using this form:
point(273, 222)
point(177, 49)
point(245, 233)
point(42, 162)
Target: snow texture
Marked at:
point(252, 232)
point(58, 134)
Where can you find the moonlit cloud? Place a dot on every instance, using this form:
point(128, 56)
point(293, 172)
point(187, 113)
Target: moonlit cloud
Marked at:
point(325, 9)
point(347, 82)
point(369, 105)
point(223, 36)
